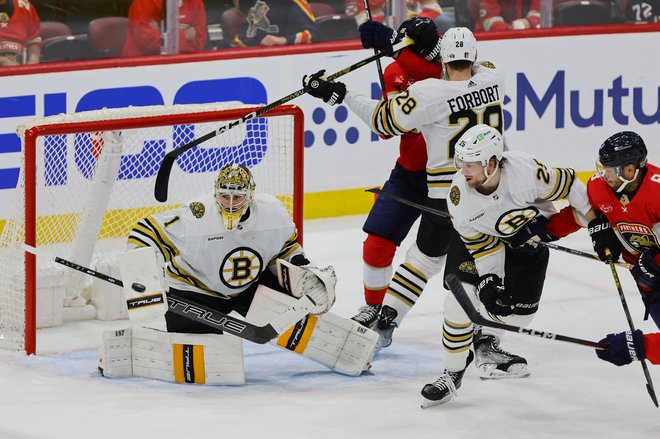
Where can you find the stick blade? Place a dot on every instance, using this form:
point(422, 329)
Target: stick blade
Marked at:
point(163, 177)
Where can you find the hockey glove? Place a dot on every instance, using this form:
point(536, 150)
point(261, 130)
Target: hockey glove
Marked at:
point(647, 272)
point(527, 239)
point(625, 347)
point(331, 92)
point(603, 237)
point(424, 33)
point(492, 294)
point(378, 36)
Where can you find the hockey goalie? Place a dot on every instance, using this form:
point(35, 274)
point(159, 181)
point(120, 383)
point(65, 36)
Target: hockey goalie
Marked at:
point(234, 251)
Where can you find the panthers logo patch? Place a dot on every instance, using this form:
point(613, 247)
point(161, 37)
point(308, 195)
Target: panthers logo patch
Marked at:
point(468, 267)
point(639, 236)
point(240, 267)
point(487, 64)
point(455, 195)
point(197, 209)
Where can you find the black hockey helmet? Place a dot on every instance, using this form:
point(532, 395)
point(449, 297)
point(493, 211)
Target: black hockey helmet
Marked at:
point(621, 149)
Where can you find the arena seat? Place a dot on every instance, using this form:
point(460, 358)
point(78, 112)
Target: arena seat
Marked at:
point(232, 20)
point(67, 48)
point(321, 9)
point(338, 27)
point(108, 35)
point(52, 29)
point(583, 13)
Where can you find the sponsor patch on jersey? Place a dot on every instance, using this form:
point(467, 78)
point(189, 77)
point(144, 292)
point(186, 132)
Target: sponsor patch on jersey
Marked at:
point(468, 267)
point(605, 208)
point(639, 236)
point(455, 195)
point(240, 267)
point(198, 209)
point(513, 220)
point(487, 64)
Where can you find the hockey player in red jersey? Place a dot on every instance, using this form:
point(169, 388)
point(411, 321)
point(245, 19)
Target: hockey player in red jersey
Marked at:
point(626, 191)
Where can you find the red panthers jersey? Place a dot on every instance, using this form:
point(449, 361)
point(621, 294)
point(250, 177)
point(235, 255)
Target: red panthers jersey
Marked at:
point(20, 30)
point(652, 347)
point(637, 220)
point(397, 78)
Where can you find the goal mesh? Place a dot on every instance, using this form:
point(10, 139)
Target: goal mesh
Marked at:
point(78, 199)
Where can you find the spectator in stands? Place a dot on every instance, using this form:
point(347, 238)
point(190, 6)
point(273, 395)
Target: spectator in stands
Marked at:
point(415, 8)
point(145, 21)
point(497, 15)
point(276, 22)
point(20, 33)
point(642, 11)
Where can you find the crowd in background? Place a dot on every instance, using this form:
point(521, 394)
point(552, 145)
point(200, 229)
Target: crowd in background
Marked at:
point(33, 31)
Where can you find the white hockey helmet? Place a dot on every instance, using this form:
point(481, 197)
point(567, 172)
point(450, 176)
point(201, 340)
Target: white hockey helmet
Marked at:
point(234, 190)
point(478, 144)
point(458, 44)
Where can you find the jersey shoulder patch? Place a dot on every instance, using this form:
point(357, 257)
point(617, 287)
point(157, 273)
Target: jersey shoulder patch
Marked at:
point(197, 209)
point(487, 64)
point(455, 195)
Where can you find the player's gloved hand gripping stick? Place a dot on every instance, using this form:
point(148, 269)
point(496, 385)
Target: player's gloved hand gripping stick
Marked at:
point(163, 177)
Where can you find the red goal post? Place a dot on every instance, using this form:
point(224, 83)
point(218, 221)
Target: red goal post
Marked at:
point(77, 198)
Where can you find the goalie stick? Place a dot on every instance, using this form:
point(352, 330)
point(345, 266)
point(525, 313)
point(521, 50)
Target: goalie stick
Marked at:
point(456, 287)
point(207, 316)
point(163, 176)
point(441, 213)
point(624, 303)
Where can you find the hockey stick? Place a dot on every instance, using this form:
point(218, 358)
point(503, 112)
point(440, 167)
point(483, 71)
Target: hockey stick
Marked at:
point(624, 303)
point(441, 213)
point(379, 67)
point(461, 295)
point(554, 246)
point(206, 316)
point(163, 176)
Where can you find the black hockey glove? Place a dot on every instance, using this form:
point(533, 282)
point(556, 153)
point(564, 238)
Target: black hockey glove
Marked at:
point(625, 347)
point(527, 238)
point(646, 271)
point(424, 33)
point(602, 237)
point(492, 294)
point(331, 92)
point(378, 36)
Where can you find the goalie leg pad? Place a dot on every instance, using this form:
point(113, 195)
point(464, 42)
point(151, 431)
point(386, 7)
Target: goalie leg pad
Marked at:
point(340, 344)
point(172, 357)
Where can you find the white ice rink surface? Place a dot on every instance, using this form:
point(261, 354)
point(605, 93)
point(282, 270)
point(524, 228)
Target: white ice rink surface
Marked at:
point(570, 394)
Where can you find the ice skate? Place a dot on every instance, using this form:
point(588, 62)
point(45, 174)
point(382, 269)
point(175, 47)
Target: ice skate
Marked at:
point(367, 315)
point(494, 363)
point(385, 326)
point(445, 388)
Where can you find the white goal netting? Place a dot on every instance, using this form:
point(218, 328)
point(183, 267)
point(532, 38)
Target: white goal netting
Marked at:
point(79, 194)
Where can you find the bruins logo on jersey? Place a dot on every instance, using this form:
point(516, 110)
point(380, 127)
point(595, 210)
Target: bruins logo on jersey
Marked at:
point(639, 236)
point(468, 267)
point(240, 267)
point(198, 209)
point(487, 64)
point(455, 195)
point(512, 221)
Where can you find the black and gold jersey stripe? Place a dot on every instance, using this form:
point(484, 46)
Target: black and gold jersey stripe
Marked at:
point(439, 177)
point(481, 245)
point(564, 181)
point(289, 247)
point(383, 120)
point(148, 232)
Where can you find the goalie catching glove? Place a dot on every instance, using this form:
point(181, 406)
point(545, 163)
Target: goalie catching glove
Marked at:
point(318, 284)
point(331, 92)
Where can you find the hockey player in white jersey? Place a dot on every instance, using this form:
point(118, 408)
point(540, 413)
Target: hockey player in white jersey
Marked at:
point(442, 110)
point(220, 250)
point(501, 204)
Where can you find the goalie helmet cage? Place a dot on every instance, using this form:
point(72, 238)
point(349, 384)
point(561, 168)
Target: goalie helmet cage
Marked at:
point(80, 192)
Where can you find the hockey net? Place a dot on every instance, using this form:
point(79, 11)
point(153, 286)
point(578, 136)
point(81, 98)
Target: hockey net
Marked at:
point(78, 200)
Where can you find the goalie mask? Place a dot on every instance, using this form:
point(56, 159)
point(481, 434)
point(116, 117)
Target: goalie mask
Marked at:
point(234, 190)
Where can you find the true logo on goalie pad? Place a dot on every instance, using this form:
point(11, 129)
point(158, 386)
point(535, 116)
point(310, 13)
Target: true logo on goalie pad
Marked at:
point(296, 338)
point(240, 267)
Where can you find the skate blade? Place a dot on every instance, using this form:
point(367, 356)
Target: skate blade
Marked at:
point(426, 403)
point(491, 372)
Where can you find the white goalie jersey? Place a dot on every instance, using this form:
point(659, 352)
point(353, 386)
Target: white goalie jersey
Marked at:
point(442, 110)
point(527, 188)
point(202, 256)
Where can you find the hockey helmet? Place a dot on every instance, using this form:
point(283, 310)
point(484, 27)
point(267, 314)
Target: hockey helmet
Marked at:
point(621, 149)
point(479, 144)
point(458, 44)
point(234, 191)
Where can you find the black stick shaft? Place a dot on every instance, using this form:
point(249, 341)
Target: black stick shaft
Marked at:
point(379, 67)
point(461, 295)
point(624, 303)
point(163, 176)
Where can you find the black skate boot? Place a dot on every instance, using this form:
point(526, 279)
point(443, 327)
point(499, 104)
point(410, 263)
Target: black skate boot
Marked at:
point(367, 315)
point(445, 388)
